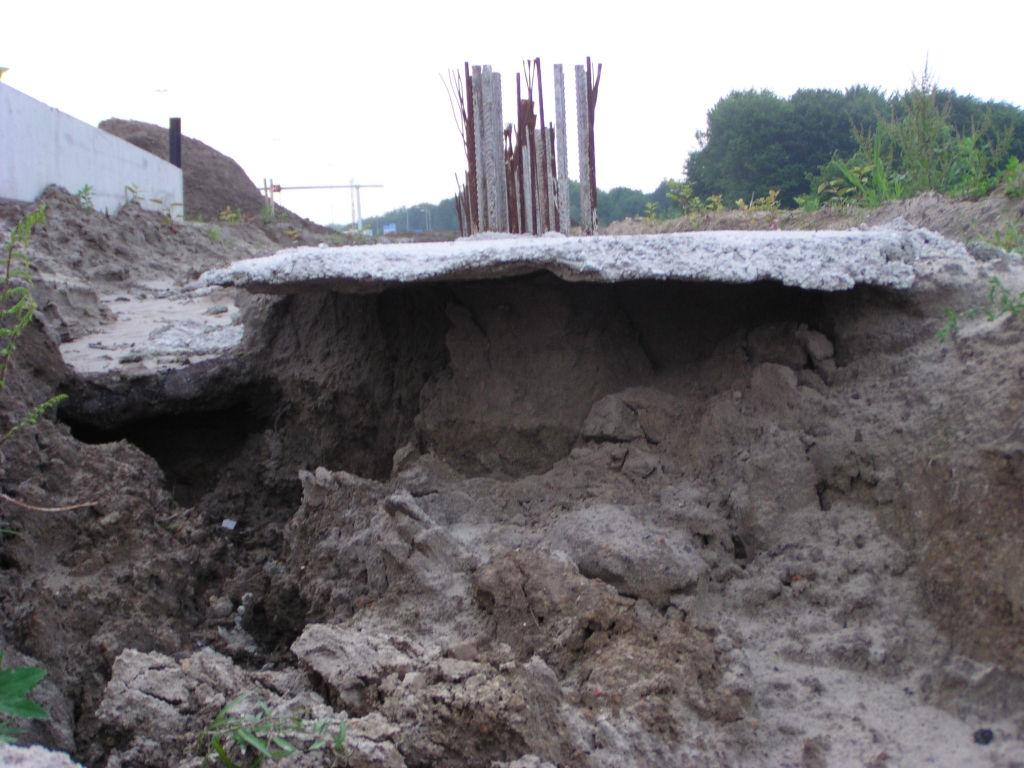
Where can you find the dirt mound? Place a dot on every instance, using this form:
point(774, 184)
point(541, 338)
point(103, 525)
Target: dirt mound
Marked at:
point(996, 218)
point(528, 523)
point(213, 181)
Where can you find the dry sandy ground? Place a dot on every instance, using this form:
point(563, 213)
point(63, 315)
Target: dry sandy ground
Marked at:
point(521, 522)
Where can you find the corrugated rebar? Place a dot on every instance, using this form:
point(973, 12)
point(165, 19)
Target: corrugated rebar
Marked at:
point(517, 178)
point(473, 218)
point(528, 197)
point(592, 86)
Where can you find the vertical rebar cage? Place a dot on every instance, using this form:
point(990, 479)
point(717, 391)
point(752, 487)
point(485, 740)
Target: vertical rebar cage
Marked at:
point(517, 175)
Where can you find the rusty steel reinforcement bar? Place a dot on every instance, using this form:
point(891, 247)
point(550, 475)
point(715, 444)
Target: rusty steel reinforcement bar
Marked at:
point(517, 164)
point(473, 213)
point(455, 87)
point(592, 85)
point(517, 177)
point(510, 179)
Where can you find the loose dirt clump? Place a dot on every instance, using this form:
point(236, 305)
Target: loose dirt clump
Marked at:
point(526, 523)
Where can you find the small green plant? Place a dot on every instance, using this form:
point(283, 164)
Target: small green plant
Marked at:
point(131, 192)
point(213, 233)
point(916, 149)
point(851, 185)
point(809, 203)
point(691, 205)
point(651, 211)
point(15, 685)
point(1013, 177)
point(232, 216)
point(1009, 238)
point(769, 202)
point(952, 326)
point(84, 196)
point(945, 433)
point(293, 234)
point(1000, 301)
point(246, 739)
point(269, 215)
point(769, 205)
point(17, 308)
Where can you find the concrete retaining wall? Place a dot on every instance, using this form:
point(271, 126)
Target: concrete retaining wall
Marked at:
point(40, 145)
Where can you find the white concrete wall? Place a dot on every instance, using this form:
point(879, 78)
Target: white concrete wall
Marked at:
point(40, 145)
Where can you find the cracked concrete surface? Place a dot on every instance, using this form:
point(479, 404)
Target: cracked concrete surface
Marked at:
point(825, 261)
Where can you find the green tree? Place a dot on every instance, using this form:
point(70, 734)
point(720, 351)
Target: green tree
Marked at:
point(756, 141)
point(442, 217)
point(619, 203)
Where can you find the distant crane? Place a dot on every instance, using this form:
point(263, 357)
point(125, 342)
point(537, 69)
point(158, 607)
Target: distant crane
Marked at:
point(269, 190)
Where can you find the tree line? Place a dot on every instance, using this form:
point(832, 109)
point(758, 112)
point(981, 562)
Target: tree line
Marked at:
point(923, 138)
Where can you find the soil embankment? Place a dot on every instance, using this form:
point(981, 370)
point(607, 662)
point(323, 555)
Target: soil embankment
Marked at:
point(525, 521)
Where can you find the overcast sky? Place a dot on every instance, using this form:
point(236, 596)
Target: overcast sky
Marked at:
point(320, 92)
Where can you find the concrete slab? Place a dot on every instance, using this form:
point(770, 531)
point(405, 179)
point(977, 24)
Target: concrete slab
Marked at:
point(822, 260)
point(161, 328)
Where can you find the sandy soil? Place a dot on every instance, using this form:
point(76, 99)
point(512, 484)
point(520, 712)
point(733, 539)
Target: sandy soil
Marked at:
point(520, 522)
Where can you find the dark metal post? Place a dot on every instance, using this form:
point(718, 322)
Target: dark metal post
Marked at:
point(174, 136)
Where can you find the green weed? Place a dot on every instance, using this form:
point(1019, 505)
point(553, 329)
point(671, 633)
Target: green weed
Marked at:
point(17, 308)
point(1009, 238)
point(769, 204)
point(84, 196)
point(232, 216)
point(917, 151)
point(246, 739)
point(213, 233)
point(952, 326)
point(269, 215)
point(1013, 177)
point(691, 205)
point(1000, 301)
point(15, 685)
